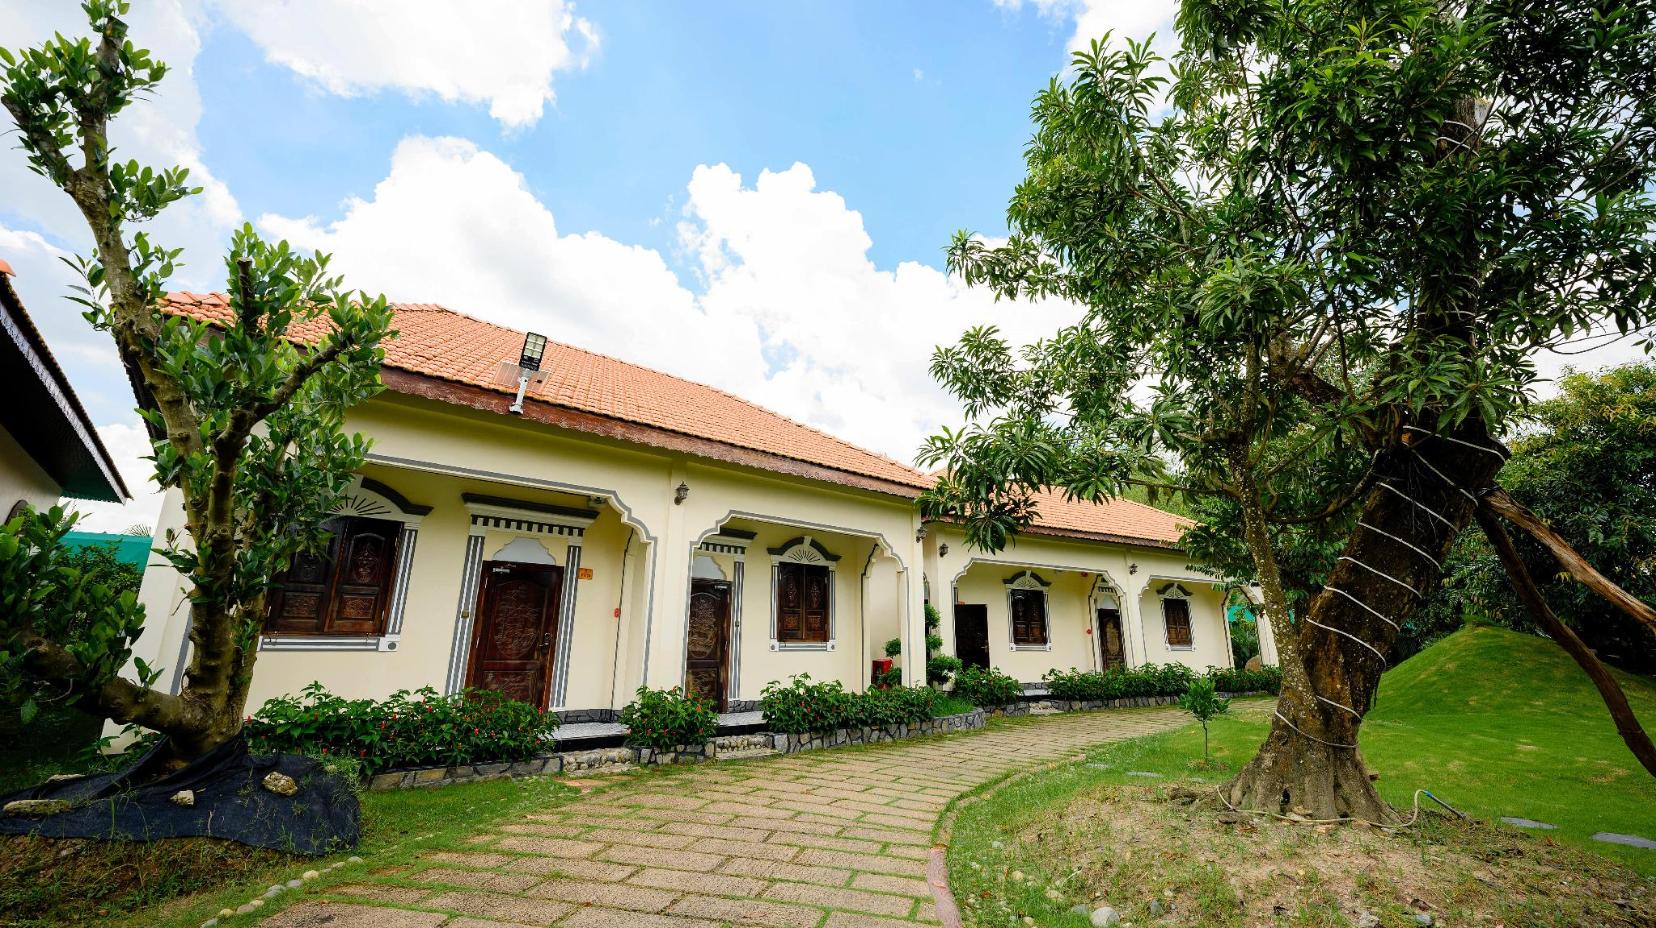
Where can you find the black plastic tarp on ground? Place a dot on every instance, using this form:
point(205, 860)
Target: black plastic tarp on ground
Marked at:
point(231, 802)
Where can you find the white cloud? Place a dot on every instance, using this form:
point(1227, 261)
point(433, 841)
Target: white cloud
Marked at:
point(854, 340)
point(1135, 19)
point(791, 312)
point(500, 52)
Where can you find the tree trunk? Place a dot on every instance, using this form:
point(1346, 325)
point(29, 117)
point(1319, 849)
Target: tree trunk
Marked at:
point(1310, 763)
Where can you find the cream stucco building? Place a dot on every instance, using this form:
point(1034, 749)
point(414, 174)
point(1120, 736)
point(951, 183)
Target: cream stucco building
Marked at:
point(627, 528)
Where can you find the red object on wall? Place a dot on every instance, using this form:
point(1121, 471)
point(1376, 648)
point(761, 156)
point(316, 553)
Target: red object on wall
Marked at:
point(880, 666)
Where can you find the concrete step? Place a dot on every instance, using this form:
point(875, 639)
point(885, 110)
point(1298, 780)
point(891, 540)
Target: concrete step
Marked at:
point(745, 754)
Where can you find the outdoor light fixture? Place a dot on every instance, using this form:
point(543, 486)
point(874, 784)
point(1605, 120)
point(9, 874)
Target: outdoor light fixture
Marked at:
point(534, 348)
point(1132, 568)
point(529, 362)
point(920, 534)
point(681, 494)
point(943, 550)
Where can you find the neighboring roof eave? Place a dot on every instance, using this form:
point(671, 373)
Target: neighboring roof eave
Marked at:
point(26, 340)
point(1133, 541)
point(409, 383)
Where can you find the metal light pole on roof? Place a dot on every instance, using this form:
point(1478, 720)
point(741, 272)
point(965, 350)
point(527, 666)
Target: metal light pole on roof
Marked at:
point(529, 362)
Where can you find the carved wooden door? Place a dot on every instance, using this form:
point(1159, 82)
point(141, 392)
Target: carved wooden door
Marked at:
point(706, 665)
point(517, 623)
point(1109, 638)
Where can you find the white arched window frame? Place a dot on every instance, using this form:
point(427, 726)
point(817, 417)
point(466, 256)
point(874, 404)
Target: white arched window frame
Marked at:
point(1176, 593)
point(1028, 583)
point(808, 551)
point(368, 498)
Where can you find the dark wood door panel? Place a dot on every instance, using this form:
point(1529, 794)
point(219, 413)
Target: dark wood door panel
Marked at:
point(516, 627)
point(972, 634)
point(707, 647)
point(1112, 650)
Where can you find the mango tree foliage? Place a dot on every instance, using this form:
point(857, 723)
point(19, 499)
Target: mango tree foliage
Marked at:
point(247, 414)
point(1317, 254)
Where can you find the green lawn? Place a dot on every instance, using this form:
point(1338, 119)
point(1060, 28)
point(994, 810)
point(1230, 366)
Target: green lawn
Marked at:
point(1494, 722)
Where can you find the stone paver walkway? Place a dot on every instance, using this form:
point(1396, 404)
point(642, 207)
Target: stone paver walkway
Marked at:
point(824, 839)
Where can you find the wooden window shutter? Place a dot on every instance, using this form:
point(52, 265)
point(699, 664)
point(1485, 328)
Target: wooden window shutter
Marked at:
point(1176, 613)
point(818, 595)
point(343, 590)
point(790, 600)
point(1028, 617)
point(803, 602)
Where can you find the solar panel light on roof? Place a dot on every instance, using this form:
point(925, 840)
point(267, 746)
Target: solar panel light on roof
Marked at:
point(528, 368)
point(534, 349)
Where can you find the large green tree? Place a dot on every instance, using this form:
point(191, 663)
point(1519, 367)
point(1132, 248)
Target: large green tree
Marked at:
point(247, 415)
point(1323, 252)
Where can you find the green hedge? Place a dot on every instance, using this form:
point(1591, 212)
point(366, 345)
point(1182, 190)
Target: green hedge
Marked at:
point(1237, 680)
point(418, 729)
point(664, 719)
point(987, 687)
point(1154, 680)
point(802, 705)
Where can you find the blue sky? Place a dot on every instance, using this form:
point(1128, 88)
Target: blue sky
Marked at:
point(752, 195)
point(915, 113)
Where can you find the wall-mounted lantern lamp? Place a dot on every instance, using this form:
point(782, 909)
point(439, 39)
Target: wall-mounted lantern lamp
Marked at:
point(529, 361)
point(920, 534)
point(1132, 568)
point(943, 550)
point(681, 494)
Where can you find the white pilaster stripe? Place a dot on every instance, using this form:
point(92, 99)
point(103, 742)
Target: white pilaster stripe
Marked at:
point(735, 688)
point(566, 626)
point(399, 586)
point(463, 614)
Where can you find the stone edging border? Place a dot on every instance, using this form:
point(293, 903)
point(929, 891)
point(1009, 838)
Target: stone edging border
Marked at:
point(730, 747)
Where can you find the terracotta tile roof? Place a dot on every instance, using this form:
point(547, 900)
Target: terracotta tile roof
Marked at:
point(1115, 520)
point(436, 342)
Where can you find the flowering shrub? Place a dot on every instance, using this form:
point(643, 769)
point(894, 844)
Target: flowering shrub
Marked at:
point(986, 687)
point(664, 719)
point(801, 706)
point(418, 729)
point(894, 706)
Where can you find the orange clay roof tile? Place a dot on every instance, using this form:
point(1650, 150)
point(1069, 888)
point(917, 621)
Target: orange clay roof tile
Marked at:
point(438, 342)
